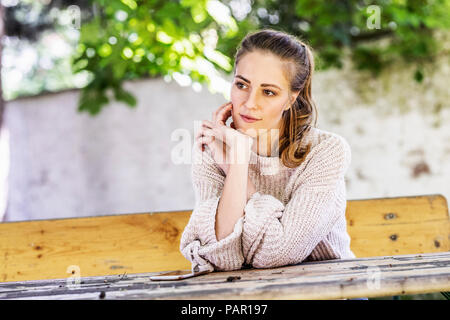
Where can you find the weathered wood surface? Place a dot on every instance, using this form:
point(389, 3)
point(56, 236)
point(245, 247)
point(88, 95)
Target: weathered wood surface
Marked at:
point(401, 225)
point(149, 242)
point(106, 245)
point(332, 279)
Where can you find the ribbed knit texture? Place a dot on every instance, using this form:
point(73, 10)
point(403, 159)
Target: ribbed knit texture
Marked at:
point(297, 214)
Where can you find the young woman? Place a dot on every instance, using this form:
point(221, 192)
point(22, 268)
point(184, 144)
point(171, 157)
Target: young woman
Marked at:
point(279, 198)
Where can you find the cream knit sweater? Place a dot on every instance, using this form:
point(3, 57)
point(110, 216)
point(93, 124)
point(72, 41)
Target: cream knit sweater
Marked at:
point(297, 214)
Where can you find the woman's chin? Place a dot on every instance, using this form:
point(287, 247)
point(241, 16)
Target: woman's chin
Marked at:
point(246, 128)
point(251, 132)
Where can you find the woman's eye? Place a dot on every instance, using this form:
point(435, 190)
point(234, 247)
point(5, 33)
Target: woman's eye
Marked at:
point(238, 84)
point(267, 92)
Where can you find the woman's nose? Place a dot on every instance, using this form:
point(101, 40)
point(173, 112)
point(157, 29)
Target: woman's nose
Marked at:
point(251, 102)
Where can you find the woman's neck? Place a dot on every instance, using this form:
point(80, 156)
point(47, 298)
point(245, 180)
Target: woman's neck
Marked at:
point(266, 145)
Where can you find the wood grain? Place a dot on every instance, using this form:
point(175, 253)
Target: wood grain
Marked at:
point(332, 279)
point(403, 225)
point(149, 242)
point(107, 245)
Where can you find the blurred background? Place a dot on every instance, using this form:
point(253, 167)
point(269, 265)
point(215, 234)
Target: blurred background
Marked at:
point(99, 98)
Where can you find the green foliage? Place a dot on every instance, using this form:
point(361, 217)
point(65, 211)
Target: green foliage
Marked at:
point(406, 28)
point(130, 39)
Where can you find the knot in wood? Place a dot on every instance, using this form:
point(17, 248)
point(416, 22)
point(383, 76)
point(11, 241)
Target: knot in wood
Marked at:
point(389, 216)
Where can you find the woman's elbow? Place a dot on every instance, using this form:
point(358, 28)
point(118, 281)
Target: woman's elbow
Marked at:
point(276, 261)
point(227, 265)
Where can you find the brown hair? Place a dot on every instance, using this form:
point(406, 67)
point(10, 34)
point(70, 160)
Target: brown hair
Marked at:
point(299, 69)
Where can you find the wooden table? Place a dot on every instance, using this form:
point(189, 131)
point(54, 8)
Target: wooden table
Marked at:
point(332, 279)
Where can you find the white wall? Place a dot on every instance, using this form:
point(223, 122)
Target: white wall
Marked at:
point(69, 164)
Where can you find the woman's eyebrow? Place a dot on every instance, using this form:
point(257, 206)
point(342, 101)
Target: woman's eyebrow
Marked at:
point(262, 84)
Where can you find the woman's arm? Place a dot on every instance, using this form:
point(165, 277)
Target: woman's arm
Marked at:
point(251, 189)
point(198, 242)
point(237, 190)
point(275, 234)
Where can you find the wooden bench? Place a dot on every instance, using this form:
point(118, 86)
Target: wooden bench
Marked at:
point(149, 242)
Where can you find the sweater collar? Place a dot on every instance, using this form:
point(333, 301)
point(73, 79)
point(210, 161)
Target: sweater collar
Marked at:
point(274, 165)
point(266, 165)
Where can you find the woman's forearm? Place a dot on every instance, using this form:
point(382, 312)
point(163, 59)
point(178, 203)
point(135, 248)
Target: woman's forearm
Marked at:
point(233, 200)
point(251, 189)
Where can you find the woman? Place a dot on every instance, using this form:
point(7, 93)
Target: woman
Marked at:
point(280, 197)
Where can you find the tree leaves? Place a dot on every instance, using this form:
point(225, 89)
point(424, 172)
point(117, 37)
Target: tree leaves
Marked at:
point(192, 37)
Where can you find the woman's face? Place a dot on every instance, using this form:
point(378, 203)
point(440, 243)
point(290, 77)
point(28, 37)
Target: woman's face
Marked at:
point(260, 90)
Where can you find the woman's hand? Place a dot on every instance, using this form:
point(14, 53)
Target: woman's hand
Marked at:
point(227, 144)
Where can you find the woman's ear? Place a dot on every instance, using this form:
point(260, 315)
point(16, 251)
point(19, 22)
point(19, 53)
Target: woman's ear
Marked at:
point(294, 96)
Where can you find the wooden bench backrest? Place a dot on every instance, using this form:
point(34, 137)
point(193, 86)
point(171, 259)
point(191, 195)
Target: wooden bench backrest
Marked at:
point(149, 242)
point(394, 226)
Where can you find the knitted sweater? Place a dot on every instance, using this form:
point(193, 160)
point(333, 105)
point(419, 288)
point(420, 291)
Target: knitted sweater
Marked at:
point(297, 214)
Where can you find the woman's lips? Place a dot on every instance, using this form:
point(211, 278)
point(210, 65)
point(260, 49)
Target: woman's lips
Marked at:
point(249, 120)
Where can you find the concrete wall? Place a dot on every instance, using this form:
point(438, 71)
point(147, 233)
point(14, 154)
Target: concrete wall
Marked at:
point(69, 164)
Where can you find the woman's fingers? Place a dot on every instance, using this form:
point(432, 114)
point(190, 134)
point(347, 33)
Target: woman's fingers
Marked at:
point(202, 141)
point(205, 140)
point(219, 109)
point(224, 114)
point(207, 124)
point(204, 131)
point(210, 129)
point(219, 113)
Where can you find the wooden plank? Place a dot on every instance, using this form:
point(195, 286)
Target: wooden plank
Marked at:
point(402, 225)
point(107, 245)
point(149, 242)
point(332, 279)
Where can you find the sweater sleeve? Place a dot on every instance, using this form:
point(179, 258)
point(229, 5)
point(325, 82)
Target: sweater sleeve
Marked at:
point(275, 234)
point(199, 242)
